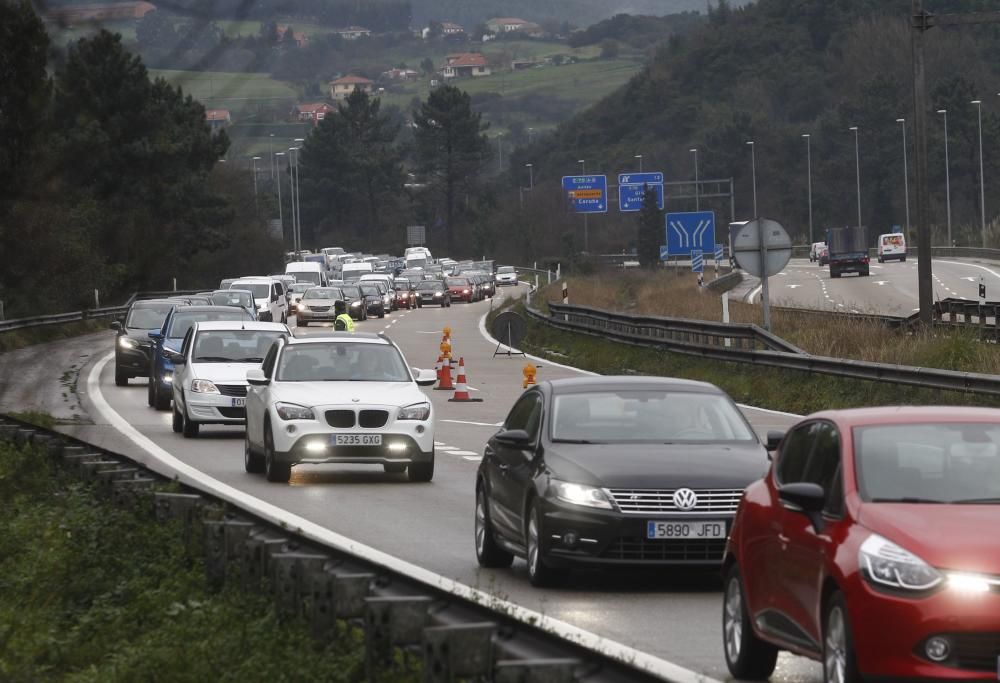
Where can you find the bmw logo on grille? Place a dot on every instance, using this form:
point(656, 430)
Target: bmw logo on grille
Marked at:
point(685, 499)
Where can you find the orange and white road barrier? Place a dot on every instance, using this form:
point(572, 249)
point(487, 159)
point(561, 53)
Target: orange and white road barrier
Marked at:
point(445, 380)
point(461, 390)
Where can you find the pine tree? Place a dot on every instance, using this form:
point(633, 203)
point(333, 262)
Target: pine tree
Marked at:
point(650, 229)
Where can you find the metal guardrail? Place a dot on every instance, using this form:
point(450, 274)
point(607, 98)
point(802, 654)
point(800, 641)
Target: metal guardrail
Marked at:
point(87, 314)
point(458, 638)
point(749, 344)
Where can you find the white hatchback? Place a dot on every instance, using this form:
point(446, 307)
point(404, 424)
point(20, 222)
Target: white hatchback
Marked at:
point(339, 398)
point(210, 385)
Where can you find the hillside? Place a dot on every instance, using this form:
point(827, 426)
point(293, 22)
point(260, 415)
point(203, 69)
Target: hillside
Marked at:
point(771, 72)
point(578, 12)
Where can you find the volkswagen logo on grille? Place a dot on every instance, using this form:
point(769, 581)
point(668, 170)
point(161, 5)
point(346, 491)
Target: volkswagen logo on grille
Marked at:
point(685, 499)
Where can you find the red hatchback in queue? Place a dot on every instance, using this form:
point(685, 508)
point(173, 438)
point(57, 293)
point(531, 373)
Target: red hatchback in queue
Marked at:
point(873, 545)
point(460, 289)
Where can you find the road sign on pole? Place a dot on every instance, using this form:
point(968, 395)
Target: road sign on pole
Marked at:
point(586, 193)
point(632, 186)
point(720, 253)
point(762, 248)
point(982, 290)
point(664, 252)
point(697, 261)
point(689, 231)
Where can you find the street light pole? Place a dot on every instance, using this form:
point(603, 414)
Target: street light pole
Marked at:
point(529, 135)
point(906, 181)
point(298, 189)
point(291, 190)
point(586, 228)
point(857, 169)
point(697, 200)
point(281, 220)
point(253, 161)
point(499, 151)
point(271, 163)
point(753, 166)
point(947, 173)
point(531, 176)
point(982, 179)
point(639, 157)
point(809, 182)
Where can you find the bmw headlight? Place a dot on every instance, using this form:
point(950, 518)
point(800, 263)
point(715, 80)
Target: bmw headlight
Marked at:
point(417, 411)
point(886, 564)
point(127, 343)
point(203, 386)
point(580, 494)
point(292, 411)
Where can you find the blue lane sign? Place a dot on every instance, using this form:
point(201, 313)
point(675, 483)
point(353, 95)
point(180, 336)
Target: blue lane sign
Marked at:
point(697, 261)
point(689, 231)
point(664, 252)
point(720, 253)
point(631, 187)
point(586, 193)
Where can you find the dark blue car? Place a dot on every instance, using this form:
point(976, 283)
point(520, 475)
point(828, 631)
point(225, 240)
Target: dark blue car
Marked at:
point(170, 337)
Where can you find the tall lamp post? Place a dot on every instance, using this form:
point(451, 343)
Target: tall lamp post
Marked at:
point(291, 190)
point(697, 200)
point(531, 176)
point(281, 220)
point(947, 173)
point(809, 182)
point(499, 151)
point(857, 169)
point(298, 193)
point(982, 179)
point(753, 167)
point(639, 157)
point(906, 180)
point(586, 228)
point(253, 161)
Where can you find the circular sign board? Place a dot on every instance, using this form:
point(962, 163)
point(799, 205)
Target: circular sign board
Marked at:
point(747, 246)
point(509, 329)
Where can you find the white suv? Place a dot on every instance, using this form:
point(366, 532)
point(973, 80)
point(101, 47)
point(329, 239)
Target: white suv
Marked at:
point(339, 398)
point(272, 306)
point(209, 384)
point(506, 275)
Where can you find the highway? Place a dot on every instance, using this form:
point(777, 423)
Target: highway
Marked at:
point(672, 615)
point(891, 289)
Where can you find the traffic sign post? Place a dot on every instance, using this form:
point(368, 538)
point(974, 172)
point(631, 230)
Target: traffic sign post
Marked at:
point(982, 290)
point(664, 252)
point(762, 248)
point(689, 231)
point(719, 255)
point(697, 261)
point(632, 188)
point(586, 193)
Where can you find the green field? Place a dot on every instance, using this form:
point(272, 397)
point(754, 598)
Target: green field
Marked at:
point(246, 28)
point(224, 89)
point(61, 35)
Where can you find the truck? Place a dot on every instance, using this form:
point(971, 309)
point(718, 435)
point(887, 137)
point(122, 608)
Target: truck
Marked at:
point(847, 249)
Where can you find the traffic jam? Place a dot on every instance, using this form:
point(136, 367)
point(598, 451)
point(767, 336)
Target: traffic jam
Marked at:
point(861, 539)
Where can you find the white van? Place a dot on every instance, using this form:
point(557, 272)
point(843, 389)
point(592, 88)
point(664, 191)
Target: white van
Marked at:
point(352, 271)
point(307, 271)
point(891, 246)
point(269, 294)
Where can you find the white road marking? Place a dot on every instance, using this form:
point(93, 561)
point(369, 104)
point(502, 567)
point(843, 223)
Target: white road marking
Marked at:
point(476, 458)
point(789, 286)
point(969, 278)
point(462, 453)
point(478, 424)
point(881, 283)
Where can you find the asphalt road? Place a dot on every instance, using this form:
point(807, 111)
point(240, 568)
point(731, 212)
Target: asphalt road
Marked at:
point(891, 289)
point(672, 615)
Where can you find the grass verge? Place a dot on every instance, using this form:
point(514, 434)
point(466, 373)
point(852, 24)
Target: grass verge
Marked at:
point(18, 339)
point(93, 592)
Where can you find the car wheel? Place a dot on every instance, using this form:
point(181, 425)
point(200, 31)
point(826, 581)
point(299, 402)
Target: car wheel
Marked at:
point(149, 390)
point(301, 323)
point(252, 462)
point(421, 471)
point(121, 378)
point(190, 427)
point(488, 553)
point(747, 656)
point(539, 573)
point(394, 467)
point(839, 662)
point(381, 313)
point(178, 422)
point(274, 470)
point(161, 399)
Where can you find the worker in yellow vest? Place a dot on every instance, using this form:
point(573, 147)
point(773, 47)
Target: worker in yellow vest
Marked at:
point(343, 322)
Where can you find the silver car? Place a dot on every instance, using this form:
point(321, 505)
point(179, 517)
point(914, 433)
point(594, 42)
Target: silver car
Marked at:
point(318, 304)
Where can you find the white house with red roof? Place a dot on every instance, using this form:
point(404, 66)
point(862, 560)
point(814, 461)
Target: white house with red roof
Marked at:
point(466, 64)
point(345, 85)
point(313, 112)
point(217, 119)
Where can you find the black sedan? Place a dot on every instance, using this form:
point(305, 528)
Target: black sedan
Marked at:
point(604, 472)
point(433, 293)
point(132, 345)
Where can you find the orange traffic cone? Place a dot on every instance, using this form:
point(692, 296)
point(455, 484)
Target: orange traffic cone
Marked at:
point(462, 391)
point(437, 368)
point(445, 380)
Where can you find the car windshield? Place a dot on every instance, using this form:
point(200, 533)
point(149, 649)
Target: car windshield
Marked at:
point(261, 292)
point(647, 416)
point(300, 287)
point(351, 292)
point(323, 293)
point(370, 290)
point(312, 277)
point(342, 361)
point(183, 320)
point(505, 269)
point(429, 286)
point(232, 297)
point(928, 463)
point(401, 285)
point(148, 316)
point(457, 282)
point(232, 346)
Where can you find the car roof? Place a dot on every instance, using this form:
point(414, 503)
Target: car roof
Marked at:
point(626, 382)
point(204, 308)
point(254, 280)
point(331, 336)
point(861, 417)
point(155, 301)
point(240, 325)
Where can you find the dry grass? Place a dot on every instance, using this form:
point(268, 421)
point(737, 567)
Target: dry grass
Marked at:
point(670, 295)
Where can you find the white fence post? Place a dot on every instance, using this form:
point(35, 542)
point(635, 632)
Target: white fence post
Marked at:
point(97, 299)
point(725, 315)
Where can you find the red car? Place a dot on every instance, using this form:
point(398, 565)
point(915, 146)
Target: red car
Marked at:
point(872, 545)
point(405, 297)
point(461, 289)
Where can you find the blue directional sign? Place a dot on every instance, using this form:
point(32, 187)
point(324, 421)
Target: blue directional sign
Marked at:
point(664, 252)
point(631, 187)
point(586, 193)
point(697, 261)
point(720, 252)
point(689, 231)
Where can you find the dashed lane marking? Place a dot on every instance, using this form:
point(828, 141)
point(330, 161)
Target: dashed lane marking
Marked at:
point(478, 424)
point(463, 453)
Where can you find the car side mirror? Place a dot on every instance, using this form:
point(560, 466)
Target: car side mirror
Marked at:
point(274, 298)
point(807, 498)
point(774, 439)
point(425, 378)
point(115, 325)
point(155, 334)
point(256, 377)
point(175, 358)
point(517, 438)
